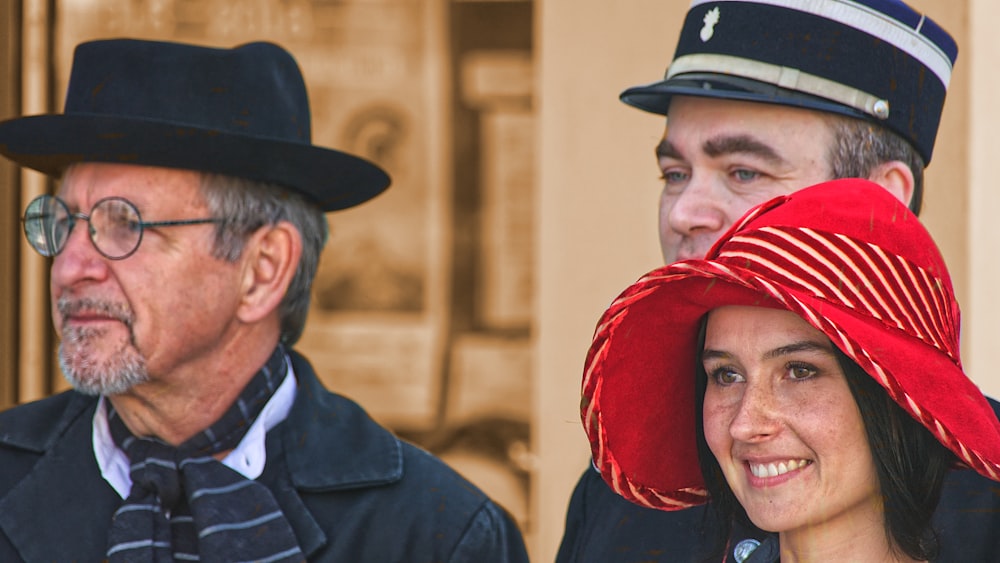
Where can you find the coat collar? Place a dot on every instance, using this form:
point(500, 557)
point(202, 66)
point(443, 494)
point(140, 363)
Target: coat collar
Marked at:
point(63, 505)
point(361, 453)
point(354, 451)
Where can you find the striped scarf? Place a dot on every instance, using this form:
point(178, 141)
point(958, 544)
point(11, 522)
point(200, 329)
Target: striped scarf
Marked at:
point(185, 505)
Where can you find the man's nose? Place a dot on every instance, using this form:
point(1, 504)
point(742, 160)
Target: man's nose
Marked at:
point(79, 259)
point(695, 209)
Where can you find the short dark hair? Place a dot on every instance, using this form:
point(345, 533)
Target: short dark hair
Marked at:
point(909, 462)
point(860, 145)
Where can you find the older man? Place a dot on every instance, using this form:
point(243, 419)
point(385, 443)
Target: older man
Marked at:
point(764, 98)
point(184, 238)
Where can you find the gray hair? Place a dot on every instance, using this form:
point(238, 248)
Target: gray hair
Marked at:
point(248, 205)
point(859, 146)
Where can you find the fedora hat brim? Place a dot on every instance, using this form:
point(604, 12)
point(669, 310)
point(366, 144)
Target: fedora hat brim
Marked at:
point(332, 179)
point(639, 383)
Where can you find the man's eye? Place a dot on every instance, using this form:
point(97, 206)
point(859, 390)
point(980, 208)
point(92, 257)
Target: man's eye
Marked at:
point(674, 181)
point(674, 176)
point(123, 221)
point(745, 175)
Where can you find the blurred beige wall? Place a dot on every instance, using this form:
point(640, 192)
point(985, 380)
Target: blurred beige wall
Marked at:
point(981, 275)
point(598, 188)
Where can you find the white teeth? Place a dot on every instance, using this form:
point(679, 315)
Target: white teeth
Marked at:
point(772, 470)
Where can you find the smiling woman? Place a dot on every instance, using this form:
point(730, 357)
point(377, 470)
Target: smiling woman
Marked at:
point(803, 379)
point(797, 440)
point(780, 419)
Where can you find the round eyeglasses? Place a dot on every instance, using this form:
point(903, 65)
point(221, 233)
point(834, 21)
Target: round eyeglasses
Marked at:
point(114, 225)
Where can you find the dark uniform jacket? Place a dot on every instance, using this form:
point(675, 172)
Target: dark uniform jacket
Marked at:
point(602, 527)
point(350, 489)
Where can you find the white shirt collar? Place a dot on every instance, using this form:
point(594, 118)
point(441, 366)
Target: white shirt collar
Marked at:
point(247, 458)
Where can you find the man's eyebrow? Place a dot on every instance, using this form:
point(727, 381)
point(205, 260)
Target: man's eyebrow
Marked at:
point(666, 149)
point(722, 145)
point(725, 144)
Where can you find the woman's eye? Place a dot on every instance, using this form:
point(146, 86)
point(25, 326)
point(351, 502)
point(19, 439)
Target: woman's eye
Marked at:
point(801, 371)
point(725, 376)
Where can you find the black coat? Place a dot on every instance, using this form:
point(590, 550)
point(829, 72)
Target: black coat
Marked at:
point(351, 491)
point(602, 527)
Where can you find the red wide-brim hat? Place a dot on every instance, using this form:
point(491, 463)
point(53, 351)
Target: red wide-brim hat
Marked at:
point(847, 257)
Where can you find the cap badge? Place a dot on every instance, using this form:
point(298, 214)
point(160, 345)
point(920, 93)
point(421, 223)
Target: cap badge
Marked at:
point(711, 18)
point(881, 109)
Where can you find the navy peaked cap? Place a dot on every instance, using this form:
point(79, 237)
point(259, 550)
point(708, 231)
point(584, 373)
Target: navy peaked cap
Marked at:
point(873, 59)
point(241, 112)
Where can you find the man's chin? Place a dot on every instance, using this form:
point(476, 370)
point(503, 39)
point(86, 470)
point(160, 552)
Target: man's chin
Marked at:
point(100, 384)
point(94, 376)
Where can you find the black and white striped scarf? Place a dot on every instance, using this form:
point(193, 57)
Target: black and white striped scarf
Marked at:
point(185, 505)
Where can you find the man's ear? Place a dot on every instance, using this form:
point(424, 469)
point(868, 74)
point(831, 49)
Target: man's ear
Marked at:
point(896, 177)
point(270, 259)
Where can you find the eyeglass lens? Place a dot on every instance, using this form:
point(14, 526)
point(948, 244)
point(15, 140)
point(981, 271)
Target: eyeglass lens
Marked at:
point(115, 226)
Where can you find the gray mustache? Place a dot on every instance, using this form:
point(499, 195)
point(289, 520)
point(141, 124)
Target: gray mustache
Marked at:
point(68, 306)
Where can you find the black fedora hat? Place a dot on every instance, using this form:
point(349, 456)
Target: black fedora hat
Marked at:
point(877, 60)
point(242, 112)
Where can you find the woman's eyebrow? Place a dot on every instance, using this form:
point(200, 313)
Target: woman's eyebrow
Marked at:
point(801, 346)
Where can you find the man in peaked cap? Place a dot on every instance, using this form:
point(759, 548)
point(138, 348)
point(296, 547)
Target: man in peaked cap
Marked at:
point(194, 431)
point(764, 98)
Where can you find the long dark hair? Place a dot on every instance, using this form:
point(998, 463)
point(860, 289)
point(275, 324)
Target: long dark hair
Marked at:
point(909, 462)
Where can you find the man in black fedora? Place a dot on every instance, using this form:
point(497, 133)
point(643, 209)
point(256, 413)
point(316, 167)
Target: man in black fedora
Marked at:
point(764, 98)
point(194, 430)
